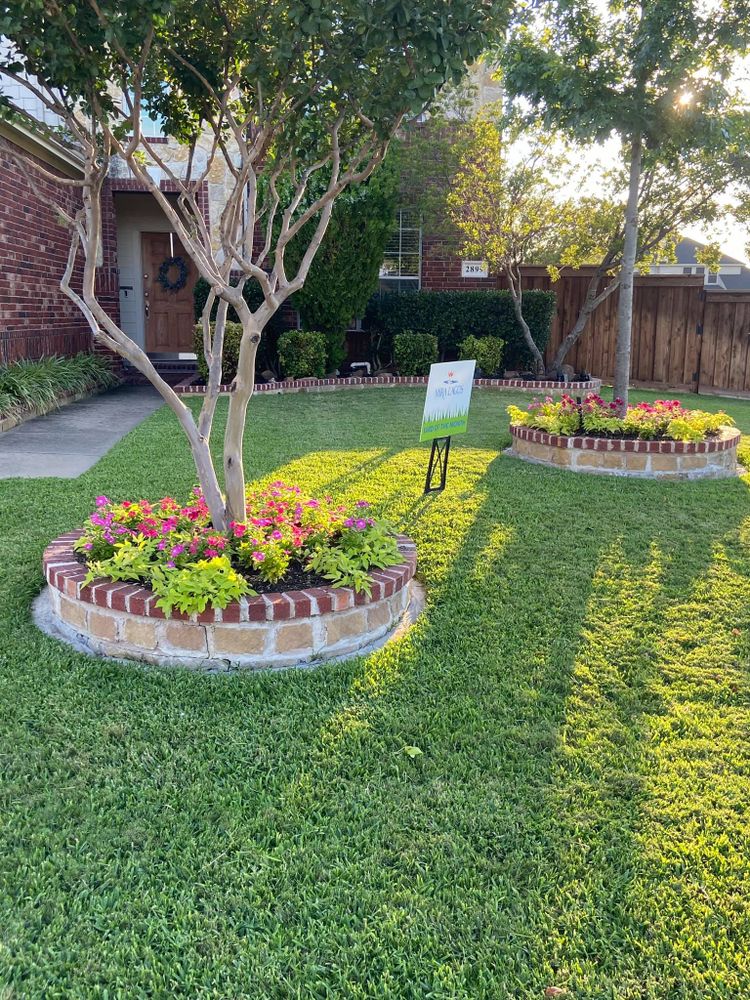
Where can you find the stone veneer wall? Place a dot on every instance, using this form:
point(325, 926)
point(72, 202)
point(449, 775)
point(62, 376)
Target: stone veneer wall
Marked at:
point(328, 384)
point(715, 458)
point(273, 630)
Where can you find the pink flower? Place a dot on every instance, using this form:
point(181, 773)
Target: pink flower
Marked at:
point(276, 535)
point(361, 524)
point(362, 503)
point(102, 501)
point(312, 503)
point(177, 550)
point(89, 545)
point(259, 556)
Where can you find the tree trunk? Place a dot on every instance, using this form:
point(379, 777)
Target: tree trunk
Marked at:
point(234, 469)
point(627, 277)
point(516, 292)
point(592, 301)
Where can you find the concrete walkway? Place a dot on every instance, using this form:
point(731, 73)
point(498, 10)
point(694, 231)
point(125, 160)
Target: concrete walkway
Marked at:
point(67, 442)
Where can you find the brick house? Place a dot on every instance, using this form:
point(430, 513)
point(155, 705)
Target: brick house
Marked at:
point(37, 319)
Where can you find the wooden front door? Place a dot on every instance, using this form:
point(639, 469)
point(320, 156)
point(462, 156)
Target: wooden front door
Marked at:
point(168, 311)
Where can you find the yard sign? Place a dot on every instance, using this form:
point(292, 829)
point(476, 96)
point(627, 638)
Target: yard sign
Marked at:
point(446, 409)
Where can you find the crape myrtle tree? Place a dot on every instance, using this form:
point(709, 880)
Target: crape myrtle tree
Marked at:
point(283, 96)
point(655, 74)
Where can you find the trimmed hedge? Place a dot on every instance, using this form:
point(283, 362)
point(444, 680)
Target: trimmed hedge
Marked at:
point(453, 316)
point(267, 349)
point(414, 352)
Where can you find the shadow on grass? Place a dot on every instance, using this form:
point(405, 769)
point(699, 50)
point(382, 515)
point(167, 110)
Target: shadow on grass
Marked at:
point(168, 834)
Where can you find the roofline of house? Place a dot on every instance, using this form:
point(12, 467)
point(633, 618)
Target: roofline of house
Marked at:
point(30, 138)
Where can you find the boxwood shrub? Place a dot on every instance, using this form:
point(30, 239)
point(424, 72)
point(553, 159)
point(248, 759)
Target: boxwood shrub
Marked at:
point(414, 352)
point(453, 316)
point(267, 349)
point(302, 354)
point(486, 351)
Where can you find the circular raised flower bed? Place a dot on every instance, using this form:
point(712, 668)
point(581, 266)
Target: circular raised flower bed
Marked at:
point(277, 629)
point(659, 440)
point(714, 458)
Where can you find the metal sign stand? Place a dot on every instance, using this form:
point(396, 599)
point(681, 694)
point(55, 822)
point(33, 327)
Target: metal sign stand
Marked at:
point(438, 464)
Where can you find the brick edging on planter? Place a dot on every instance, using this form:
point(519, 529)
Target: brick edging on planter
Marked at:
point(63, 572)
point(327, 384)
point(728, 440)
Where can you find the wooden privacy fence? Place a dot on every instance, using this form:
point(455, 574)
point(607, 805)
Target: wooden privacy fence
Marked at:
point(685, 337)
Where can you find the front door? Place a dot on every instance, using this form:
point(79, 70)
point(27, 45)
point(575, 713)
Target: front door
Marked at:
point(169, 277)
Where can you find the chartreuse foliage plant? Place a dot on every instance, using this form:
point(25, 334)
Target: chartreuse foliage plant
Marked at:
point(486, 351)
point(664, 418)
point(174, 549)
point(543, 784)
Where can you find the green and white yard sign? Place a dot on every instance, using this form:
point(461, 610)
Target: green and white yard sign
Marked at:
point(446, 408)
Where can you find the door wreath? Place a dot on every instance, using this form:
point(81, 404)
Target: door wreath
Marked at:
point(182, 274)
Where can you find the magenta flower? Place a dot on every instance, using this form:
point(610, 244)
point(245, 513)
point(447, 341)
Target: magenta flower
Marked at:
point(102, 501)
point(177, 550)
point(360, 524)
point(259, 556)
point(276, 535)
point(312, 503)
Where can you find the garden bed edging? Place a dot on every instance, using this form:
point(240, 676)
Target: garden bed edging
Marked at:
point(188, 388)
point(280, 629)
point(714, 458)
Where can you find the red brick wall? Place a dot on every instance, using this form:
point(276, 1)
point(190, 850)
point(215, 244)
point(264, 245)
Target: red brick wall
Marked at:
point(441, 270)
point(36, 318)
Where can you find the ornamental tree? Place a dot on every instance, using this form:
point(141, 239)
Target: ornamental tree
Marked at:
point(655, 74)
point(278, 95)
point(508, 202)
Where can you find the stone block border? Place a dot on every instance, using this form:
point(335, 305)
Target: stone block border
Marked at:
point(281, 629)
point(715, 458)
point(187, 388)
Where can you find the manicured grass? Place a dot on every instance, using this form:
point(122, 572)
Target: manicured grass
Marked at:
point(578, 687)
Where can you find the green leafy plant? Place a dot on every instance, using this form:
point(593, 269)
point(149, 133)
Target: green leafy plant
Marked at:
point(453, 316)
point(357, 551)
point(487, 351)
point(302, 354)
point(414, 352)
point(131, 559)
point(192, 588)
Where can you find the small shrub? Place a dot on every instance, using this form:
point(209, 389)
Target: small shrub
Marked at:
point(487, 351)
point(231, 352)
point(267, 357)
point(414, 352)
point(302, 354)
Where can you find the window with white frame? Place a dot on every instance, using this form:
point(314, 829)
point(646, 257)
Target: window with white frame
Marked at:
point(402, 264)
point(152, 126)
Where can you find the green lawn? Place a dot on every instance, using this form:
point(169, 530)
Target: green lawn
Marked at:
point(578, 686)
